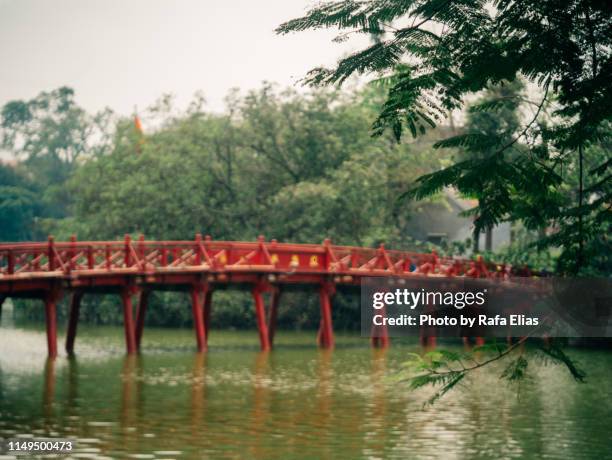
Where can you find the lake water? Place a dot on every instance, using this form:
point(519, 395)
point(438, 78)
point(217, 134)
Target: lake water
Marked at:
point(295, 402)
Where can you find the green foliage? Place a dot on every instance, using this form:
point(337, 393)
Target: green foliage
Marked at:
point(523, 251)
point(291, 167)
point(455, 48)
point(557, 356)
point(49, 134)
point(431, 54)
point(52, 128)
point(19, 204)
point(436, 369)
point(444, 370)
point(516, 370)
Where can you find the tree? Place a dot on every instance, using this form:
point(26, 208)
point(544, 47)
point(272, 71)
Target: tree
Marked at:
point(19, 205)
point(492, 116)
point(432, 53)
point(295, 167)
point(49, 134)
point(52, 125)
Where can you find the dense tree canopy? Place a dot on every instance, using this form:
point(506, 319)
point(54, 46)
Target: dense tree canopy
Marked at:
point(296, 167)
point(19, 205)
point(291, 167)
point(50, 134)
point(433, 53)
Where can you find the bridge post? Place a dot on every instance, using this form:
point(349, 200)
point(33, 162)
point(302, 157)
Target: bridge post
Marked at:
point(428, 334)
point(143, 301)
point(326, 333)
point(207, 312)
point(198, 292)
point(73, 319)
point(50, 253)
point(72, 252)
point(380, 334)
point(274, 301)
point(51, 299)
point(127, 243)
point(428, 341)
point(128, 321)
point(260, 313)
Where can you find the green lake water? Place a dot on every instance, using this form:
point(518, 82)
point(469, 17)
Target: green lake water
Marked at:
point(294, 402)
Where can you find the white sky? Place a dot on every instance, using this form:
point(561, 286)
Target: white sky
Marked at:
point(126, 53)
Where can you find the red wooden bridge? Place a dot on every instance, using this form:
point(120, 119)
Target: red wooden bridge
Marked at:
point(48, 270)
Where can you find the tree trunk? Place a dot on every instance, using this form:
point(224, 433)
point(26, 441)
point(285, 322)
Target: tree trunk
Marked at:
point(579, 261)
point(489, 239)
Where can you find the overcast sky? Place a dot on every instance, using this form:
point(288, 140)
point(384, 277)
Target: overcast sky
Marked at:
point(126, 53)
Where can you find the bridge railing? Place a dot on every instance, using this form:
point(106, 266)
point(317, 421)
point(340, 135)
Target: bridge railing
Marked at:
point(57, 258)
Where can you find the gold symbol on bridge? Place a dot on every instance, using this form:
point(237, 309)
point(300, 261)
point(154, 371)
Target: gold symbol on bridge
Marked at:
point(223, 258)
point(274, 258)
point(295, 260)
point(314, 261)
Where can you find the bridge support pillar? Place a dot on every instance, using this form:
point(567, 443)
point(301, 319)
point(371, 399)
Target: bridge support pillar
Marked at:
point(51, 323)
point(471, 341)
point(198, 294)
point(73, 320)
point(274, 301)
point(428, 334)
point(143, 302)
point(260, 314)
point(325, 337)
point(427, 337)
point(380, 334)
point(128, 321)
point(428, 341)
point(207, 312)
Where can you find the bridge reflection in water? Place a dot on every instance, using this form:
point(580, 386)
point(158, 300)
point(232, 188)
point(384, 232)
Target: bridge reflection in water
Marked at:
point(302, 403)
point(261, 422)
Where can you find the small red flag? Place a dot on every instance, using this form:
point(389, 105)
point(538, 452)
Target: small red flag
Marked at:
point(138, 127)
point(138, 124)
